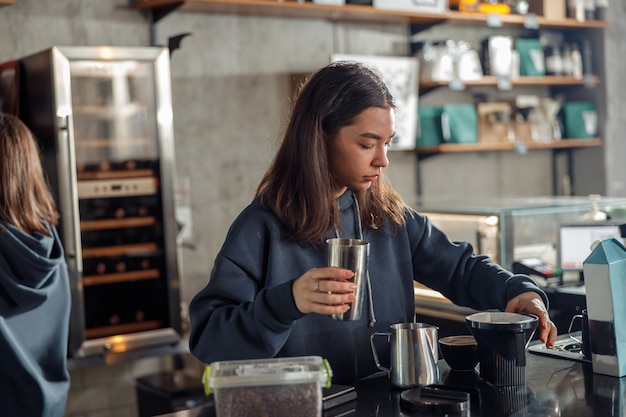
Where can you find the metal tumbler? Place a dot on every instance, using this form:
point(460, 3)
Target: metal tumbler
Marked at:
point(351, 254)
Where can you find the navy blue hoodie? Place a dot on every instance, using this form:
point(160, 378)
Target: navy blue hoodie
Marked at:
point(34, 321)
point(247, 309)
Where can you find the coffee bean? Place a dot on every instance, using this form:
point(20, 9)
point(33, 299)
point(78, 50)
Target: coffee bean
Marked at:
point(292, 400)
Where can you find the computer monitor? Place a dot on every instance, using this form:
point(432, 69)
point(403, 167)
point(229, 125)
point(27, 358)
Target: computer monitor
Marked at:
point(576, 239)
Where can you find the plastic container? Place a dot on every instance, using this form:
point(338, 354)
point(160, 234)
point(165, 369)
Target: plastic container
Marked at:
point(279, 387)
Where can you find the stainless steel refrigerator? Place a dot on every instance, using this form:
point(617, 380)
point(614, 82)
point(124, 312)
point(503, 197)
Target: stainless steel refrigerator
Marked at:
point(103, 117)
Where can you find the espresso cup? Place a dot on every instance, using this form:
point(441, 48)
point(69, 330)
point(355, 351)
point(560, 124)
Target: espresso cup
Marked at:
point(460, 352)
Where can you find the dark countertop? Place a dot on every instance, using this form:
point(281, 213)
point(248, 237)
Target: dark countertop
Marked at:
point(554, 387)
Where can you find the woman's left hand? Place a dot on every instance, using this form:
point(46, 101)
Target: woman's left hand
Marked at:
point(532, 303)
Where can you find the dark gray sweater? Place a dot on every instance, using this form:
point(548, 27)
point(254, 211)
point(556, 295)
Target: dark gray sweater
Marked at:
point(247, 309)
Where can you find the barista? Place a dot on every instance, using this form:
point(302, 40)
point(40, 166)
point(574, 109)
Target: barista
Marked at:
point(270, 295)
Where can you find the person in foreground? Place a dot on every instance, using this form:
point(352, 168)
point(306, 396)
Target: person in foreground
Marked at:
point(34, 285)
point(270, 294)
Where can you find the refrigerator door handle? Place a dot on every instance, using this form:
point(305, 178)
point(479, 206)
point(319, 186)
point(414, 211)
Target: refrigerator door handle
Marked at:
point(67, 183)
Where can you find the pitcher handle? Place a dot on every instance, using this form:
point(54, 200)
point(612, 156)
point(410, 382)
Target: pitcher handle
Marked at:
point(571, 324)
point(375, 353)
point(432, 344)
point(434, 358)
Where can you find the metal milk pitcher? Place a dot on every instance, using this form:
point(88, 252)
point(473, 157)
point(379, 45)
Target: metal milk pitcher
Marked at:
point(414, 354)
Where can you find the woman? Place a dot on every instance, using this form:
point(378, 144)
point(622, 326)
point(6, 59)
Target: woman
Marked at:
point(34, 286)
point(269, 293)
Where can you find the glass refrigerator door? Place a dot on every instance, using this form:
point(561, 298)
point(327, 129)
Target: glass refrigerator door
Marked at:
point(114, 119)
point(119, 196)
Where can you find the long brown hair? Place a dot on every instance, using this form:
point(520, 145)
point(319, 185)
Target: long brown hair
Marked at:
point(298, 186)
point(25, 199)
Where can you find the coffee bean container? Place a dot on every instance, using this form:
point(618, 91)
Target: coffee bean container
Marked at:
point(278, 387)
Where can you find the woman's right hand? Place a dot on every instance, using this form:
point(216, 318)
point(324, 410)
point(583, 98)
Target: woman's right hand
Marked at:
point(324, 291)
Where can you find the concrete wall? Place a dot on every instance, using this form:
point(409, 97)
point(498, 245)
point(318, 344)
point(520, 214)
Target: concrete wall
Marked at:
point(615, 102)
point(232, 80)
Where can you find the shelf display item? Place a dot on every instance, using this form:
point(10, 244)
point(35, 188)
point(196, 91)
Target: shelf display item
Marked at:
point(531, 57)
point(448, 61)
point(550, 9)
point(486, 7)
point(497, 7)
point(498, 55)
point(496, 123)
point(579, 119)
point(464, 5)
point(459, 123)
point(430, 133)
point(103, 117)
point(416, 6)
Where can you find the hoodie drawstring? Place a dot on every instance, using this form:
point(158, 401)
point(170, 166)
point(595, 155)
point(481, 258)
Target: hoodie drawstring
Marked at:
point(359, 227)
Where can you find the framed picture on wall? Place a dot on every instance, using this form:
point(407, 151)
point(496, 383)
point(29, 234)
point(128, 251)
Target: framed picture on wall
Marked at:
point(400, 74)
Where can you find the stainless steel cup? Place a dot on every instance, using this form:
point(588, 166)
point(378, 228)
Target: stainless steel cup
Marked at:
point(351, 254)
point(414, 354)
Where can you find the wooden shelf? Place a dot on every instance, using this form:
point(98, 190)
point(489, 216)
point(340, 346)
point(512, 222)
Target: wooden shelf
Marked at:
point(492, 81)
point(116, 278)
point(351, 13)
point(507, 146)
point(121, 329)
point(5, 2)
point(120, 250)
point(107, 224)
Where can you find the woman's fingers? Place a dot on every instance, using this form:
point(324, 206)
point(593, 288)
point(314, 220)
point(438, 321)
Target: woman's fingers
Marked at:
point(324, 291)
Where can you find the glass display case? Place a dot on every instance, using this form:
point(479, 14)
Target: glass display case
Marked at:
point(511, 229)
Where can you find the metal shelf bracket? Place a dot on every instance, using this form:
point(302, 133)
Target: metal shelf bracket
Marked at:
point(154, 14)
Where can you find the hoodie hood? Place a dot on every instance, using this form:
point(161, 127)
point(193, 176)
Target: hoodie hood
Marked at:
point(29, 265)
point(34, 323)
